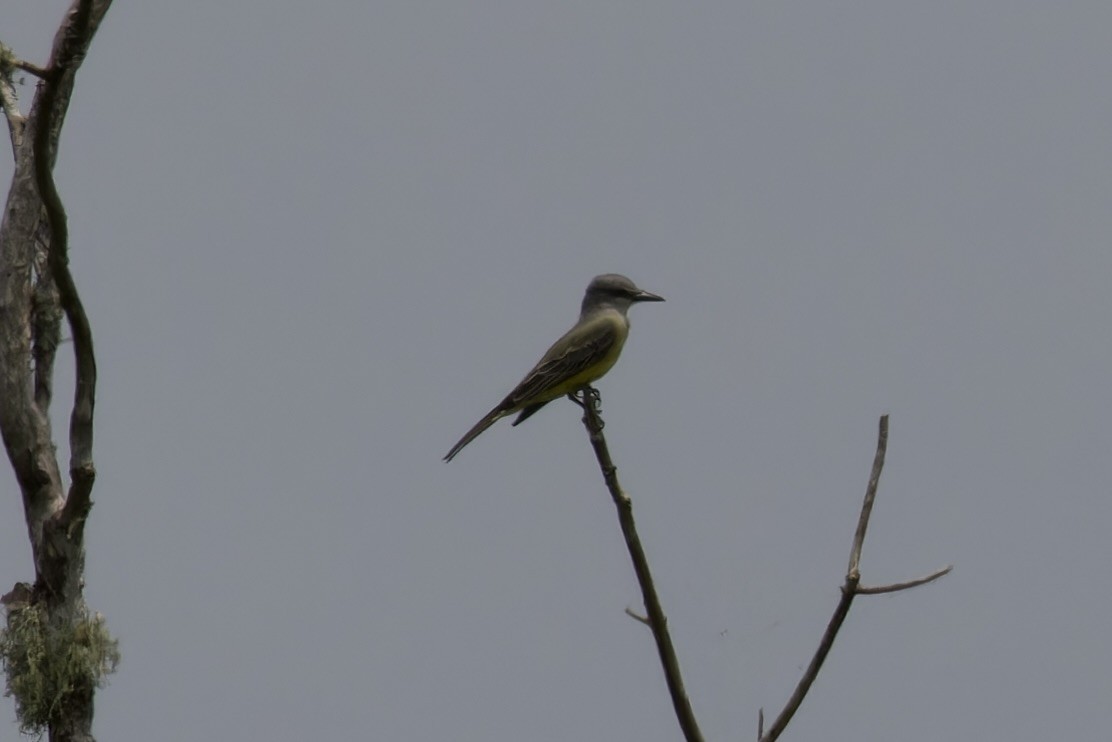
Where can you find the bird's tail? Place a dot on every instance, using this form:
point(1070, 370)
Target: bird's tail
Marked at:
point(491, 417)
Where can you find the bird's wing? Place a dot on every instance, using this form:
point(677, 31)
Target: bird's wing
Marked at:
point(579, 350)
point(528, 412)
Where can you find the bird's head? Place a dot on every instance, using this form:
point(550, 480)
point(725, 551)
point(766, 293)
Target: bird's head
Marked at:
point(614, 290)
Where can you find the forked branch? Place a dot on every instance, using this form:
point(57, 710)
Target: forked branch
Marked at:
point(850, 589)
point(37, 290)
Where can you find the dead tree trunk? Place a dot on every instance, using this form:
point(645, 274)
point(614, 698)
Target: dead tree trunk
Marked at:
point(55, 652)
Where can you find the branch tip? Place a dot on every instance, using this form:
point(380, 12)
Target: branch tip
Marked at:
point(898, 586)
point(870, 497)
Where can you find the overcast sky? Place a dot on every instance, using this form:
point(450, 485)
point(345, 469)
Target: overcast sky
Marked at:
point(317, 241)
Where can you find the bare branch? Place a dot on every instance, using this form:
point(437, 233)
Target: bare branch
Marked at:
point(25, 427)
point(657, 620)
point(870, 497)
point(32, 199)
point(895, 588)
point(850, 589)
point(70, 46)
point(9, 61)
point(34, 69)
point(36, 290)
point(848, 592)
point(79, 502)
point(638, 617)
point(812, 672)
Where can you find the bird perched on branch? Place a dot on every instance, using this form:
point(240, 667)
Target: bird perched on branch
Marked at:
point(585, 352)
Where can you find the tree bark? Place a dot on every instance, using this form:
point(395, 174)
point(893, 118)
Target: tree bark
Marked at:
point(36, 291)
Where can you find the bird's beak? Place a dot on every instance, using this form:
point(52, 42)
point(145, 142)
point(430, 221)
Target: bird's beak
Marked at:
point(647, 296)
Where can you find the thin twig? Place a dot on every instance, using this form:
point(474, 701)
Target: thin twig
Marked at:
point(895, 588)
point(850, 589)
point(812, 672)
point(26, 66)
point(8, 59)
point(638, 617)
point(848, 592)
point(867, 506)
point(656, 618)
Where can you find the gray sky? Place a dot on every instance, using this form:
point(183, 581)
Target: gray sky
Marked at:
point(318, 241)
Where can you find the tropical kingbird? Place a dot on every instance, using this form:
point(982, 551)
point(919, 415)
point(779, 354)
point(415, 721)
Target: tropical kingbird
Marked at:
point(583, 354)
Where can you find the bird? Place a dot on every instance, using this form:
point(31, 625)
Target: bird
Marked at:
point(584, 353)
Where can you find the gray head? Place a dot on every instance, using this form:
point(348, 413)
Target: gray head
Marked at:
point(615, 291)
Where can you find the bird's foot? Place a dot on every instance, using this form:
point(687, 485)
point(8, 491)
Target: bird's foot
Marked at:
point(591, 401)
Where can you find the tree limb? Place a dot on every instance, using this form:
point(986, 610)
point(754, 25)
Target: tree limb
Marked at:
point(850, 589)
point(71, 44)
point(656, 618)
point(28, 67)
point(32, 201)
point(896, 587)
point(36, 290)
